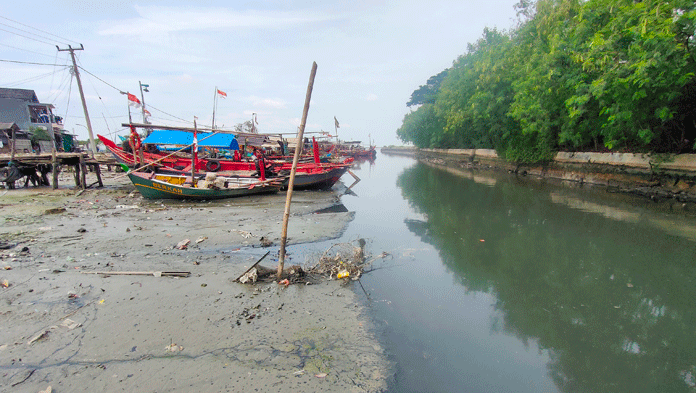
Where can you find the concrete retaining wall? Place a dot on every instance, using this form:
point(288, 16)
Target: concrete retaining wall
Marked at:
point(643, 174)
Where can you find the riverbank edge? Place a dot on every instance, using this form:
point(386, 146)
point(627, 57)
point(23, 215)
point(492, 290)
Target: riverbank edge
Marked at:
point(657, 177)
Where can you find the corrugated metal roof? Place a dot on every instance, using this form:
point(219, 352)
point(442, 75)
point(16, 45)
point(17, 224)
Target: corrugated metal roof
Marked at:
point(19, 94)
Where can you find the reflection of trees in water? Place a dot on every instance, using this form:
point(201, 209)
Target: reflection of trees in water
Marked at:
point(611, 301)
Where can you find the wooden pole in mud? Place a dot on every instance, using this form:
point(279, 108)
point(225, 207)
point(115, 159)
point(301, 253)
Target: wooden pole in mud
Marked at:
point(291, 183)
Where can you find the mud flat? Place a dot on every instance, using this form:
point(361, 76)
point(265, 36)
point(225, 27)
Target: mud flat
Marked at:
point(77, 332)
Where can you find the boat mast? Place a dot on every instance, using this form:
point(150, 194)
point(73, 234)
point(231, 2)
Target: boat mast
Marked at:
point(194, 153)
point(215, 94)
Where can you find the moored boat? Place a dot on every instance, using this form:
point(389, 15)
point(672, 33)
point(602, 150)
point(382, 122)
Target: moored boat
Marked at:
point(160, 186)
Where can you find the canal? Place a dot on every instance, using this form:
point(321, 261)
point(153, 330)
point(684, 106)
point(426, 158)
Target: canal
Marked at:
point(505, 284)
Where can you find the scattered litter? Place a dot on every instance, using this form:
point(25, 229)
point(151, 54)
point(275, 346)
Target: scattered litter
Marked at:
point(102, 301)
point(49, 389)
point(5, 284)
point(249, 276)
point(45, 228)
point(348, 262)
point(126, 206)
point(284, 282)
point(38, 337)
point(201, 239)
point(629, 285)
point(81, 230)
point(300, 372)
point(173, 348)
point(70, 324)
point(182, 245)
point(321, 375)
point(8, 267)
point(244, 234)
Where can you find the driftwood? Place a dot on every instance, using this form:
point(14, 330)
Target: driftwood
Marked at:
point(156, 274)
point(252, 266)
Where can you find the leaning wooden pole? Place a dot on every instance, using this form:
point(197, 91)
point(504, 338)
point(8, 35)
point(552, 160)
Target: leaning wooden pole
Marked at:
point(291, 183)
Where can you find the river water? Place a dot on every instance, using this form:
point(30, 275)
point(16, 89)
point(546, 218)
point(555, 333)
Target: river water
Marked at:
point(502, 284)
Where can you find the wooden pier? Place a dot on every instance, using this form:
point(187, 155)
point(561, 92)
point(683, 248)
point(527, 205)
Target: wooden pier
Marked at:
point(35, 168)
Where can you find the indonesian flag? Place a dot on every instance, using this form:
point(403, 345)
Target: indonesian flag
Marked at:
point(335, 120)
point(133, 100)
point(147, 113)
point(222, 93)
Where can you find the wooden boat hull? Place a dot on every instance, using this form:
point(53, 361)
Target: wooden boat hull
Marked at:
point(318, 181)
point(159, 188)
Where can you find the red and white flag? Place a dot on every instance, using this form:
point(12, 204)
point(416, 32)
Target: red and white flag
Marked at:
point(222, 93)
point(133, 100)
point(147, 113)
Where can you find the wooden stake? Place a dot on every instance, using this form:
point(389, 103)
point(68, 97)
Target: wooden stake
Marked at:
point(295, 159)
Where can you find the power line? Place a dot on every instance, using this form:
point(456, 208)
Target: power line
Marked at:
point(34, 39)
point(28, 62)
point(26, 50)
point(19, 23)
point(29, 32)
point(30, 79)
point(103, 81)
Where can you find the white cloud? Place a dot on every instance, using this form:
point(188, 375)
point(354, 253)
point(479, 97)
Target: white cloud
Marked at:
point(155, 20)
point(267, 102)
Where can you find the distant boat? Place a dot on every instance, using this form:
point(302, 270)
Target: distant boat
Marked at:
point(161, 186)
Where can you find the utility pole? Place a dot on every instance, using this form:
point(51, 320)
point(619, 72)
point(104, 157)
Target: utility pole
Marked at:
point(82, 94)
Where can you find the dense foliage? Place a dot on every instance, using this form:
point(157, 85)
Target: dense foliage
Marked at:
point(599, 75)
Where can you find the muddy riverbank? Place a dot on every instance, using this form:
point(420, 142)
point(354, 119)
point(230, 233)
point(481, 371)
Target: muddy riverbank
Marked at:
point(79, 332)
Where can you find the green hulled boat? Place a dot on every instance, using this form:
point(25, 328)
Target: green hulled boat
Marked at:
point(158, 186)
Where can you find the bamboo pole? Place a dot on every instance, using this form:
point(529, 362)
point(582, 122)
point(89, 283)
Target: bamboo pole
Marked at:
point(54, 161)
point(14, 144)
point(295, 159)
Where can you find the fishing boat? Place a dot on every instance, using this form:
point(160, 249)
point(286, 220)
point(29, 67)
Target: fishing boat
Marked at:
point(162, 186)
point(313, 175)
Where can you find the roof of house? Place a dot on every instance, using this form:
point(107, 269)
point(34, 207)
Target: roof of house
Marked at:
point(8, 126)
point(19, 94)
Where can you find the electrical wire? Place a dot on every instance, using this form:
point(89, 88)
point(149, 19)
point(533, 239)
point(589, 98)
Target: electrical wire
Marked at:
point(19, 23)
point(30, 79)
point(30, 38)
point(28, 62)
point(26, 50)
point(29, 32)
point(103, 81)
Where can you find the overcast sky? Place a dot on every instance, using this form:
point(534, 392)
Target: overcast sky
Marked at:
point(371, 55)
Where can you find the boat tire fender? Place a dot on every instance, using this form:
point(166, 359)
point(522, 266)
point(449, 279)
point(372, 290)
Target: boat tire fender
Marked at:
point(212, 165)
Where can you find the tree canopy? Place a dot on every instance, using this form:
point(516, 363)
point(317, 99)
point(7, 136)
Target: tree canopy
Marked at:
point(597, 75)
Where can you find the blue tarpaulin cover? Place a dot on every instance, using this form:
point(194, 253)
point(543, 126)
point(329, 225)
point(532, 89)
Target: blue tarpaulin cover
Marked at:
point(173, 137)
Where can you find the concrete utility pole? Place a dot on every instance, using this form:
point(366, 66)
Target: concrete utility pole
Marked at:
point(82, 94)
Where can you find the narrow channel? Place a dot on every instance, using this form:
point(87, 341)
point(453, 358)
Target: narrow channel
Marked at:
point(504, 284)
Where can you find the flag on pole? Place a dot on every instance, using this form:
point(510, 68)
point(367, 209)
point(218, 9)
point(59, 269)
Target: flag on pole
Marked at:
point(147, 113)
point(133, 100)
point(336, 122)
point(222, 93)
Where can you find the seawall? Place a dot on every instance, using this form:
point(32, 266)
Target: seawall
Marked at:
point(655, 176)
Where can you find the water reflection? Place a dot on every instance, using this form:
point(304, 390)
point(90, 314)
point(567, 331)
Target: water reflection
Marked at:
point(608, 293)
